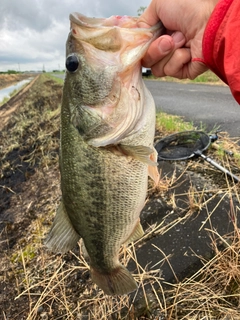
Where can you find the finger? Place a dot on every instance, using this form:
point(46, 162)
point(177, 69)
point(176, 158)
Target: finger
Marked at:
point(195, 68)
point(175, 66)
point(158, 68)
point(162, 47)
point(181, 66)
point(172, 64)
point(158, 50)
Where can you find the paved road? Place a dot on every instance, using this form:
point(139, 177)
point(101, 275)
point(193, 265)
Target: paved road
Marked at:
point(208, 104)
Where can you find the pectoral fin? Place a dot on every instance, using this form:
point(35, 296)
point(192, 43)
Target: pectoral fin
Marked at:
point(140, 153)
point(153, 170)
point(62, 236)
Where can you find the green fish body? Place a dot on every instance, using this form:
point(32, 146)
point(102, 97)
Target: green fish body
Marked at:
point(106, 154)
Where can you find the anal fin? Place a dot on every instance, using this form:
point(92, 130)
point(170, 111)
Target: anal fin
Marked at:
point(84, 250)
point(62, 236)
point(136, 234)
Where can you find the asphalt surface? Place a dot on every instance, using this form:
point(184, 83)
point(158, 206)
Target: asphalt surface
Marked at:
point(189, 239)
point(207, 104)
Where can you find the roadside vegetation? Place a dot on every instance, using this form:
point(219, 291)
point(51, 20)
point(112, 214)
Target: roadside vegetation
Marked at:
point(207, 77)
point(36, 284)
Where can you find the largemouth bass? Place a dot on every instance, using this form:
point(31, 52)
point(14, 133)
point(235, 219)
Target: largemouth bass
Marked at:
point(106, 153)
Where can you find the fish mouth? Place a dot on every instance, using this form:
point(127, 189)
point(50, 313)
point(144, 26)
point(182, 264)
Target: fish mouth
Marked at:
point(116, 33)
point(115, 45)
point(113, 21)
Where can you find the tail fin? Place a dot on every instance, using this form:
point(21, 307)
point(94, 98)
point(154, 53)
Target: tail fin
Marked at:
point(117, 282)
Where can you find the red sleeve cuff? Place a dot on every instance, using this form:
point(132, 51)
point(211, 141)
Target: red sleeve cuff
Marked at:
point(211, 33)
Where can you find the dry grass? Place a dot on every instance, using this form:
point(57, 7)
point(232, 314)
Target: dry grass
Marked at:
point(38, 285)
point(211, 293)
point(214, 291)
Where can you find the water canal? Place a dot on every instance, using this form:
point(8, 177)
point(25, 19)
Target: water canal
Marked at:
point(7, 92)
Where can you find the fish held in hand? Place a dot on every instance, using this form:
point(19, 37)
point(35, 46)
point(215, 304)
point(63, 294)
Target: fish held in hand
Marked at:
point(106, 153)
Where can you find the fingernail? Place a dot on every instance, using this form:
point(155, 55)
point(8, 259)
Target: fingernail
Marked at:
point(165, 45)
point(178, 37)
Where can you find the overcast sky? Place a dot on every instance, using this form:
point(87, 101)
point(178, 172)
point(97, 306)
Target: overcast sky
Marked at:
point(33, 32)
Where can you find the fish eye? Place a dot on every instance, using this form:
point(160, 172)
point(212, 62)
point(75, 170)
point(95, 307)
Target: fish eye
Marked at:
point(72, 63)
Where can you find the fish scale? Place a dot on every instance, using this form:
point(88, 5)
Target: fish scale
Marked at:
point(106, 153)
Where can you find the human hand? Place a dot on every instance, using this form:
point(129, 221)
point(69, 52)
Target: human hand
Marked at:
point(179, 52)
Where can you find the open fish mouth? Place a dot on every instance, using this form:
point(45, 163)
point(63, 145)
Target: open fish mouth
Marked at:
point(118, 21)
point(103, 27)
point(109, 34)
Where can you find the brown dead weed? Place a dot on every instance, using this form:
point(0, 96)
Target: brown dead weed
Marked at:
point(35, 284)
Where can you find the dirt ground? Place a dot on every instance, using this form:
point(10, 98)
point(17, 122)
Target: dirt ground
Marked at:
point(34, 284)
point(25, 179)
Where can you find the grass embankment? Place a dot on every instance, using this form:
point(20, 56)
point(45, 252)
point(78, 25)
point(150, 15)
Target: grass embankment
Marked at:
point(36, 284)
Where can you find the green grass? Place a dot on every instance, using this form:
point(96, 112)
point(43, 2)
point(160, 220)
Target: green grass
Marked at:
point(207, 77)
point(169, 123)
point(53, 77)
point(5, 99)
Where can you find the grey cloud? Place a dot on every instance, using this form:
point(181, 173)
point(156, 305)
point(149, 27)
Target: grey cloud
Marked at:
point(39, 14)
point(17, 15)
point(35, 31)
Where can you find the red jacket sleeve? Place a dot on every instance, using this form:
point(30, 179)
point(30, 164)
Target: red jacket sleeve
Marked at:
point(221, 44)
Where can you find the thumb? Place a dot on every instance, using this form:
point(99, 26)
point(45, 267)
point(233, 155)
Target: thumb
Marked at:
point(149, 17)
point(161, 47)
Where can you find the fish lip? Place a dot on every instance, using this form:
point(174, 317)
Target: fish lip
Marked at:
point(84, 21)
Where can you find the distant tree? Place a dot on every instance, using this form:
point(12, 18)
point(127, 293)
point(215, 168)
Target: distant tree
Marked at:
point(141, 10)
point(12, 72)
